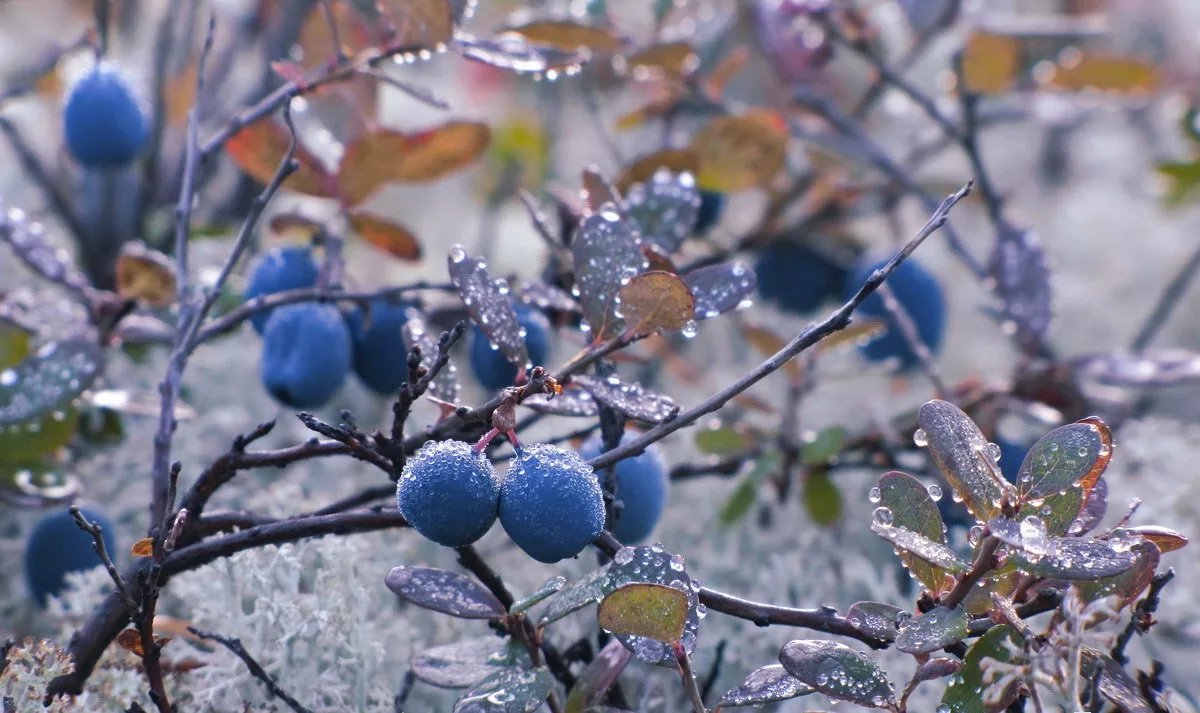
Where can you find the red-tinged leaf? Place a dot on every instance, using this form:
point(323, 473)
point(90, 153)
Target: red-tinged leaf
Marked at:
point(416, 23)
point(391, 238)
point(131, 641)
point(145, 275)
point(598, 191)
point(1106, 73)
point(568, 35)
point(990, 62)
point(656, 302)
point(1128, 585)
point(658, 260)
point(1165, 539)
point(143, 547)
point(644, 167)
point(259, 148)
point(387, 156)
point(740, 152)
point(673, 60)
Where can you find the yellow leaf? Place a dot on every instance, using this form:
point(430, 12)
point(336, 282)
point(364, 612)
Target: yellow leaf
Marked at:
point(1105, 73)
point(145, 275)
point(672, 60)
point(387, 156)
point(654, 611)
point(143, 547)
point(568, 36)
point(740, 152)
point(990, 62)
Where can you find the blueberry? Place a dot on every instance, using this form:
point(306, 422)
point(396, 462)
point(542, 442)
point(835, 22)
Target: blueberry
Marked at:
point(712, 204)
point(103, 120)
point(919, 293)
point(796, 278)
point(57, 546)
point(448, 493)
point(489, 365)
point(277, 270)
point(642, 485)
point(305, 354)
point(380, 354)
point(550, 503)
point(1012, 455)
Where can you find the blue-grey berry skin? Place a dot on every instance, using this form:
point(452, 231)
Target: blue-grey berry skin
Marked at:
point(490, 366)
point(919, 293)
point(449, 493)
point(57, 546)
point(277, 270)
point(380, 355)
point(796, 278)
point(551, 504)
point(642, 485)
point(306, 354)
point(103, 120)
point(712, 204)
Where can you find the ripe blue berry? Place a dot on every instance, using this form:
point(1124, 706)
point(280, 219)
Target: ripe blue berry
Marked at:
point(642, 485)
point(796, 278)
point(277, 270)
point(919, 293)
point(380, 355)
point(305, 354)
point(490, 366)
point(57, 546)
point(448, 493)
point(103, 120)
point(712, 204)
point(550, 503)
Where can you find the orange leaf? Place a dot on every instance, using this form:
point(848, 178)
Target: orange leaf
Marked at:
point(657, 301)
point(386, 156)
point(1121, 75)
point(179, 94)
point(316, 38)
point(393, 239)
point(416, 23)
point(990, 62)
point(673, 60)
point(729, 66)
point(568, 35)
point(259, 148)
point(146, 275)
point(131, 641)
point(644, 167)
point(597, 190)
point(143, 547)
point(740, 152)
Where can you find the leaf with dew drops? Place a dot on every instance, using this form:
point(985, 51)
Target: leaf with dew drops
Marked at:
point(574, 402)
point(1076, 558)
point(1058, 511)
point(1075, 454)
point(644, 167)
point(935, 629)
point(606, 256)
point(964, 457)
point(1164, 538)
point(877, 619)
point(653, 564)
point(965, 691)
point(936, 667)
point(654, 611)
point(515, 54)
point(768, 684)
point(464, 663)
point(575, 596)
point(1159, 368)
point(838, 671)
point(629, 399)
point(1120, 689)
point(567, 35)
point(913, 508)
point(664, 209)
point(598, 677)
point(656, 301)
point(931, 551)
point(1128, 585)
point(488, 303)
point(444, 591)
point(1022, 283)
point(445, 385)
point(509, 690)
point(548, 589)
point(36, 485)
point(544, 297)
point(721, 288)
point(48, 380)
point(28, 240)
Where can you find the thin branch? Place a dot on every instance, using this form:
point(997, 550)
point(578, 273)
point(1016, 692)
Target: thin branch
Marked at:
point(689, 678)
point(1143, 615)
point(96, 532)
point(908, 329)
point(421, 94)
point(1170, 298)
point(256, 670)
point(984, 563)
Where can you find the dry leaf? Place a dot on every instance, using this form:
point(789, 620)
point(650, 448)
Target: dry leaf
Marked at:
point(145, 275)
point(740, 152)
point(258, 149)
point(392, 238)
point(387, 156)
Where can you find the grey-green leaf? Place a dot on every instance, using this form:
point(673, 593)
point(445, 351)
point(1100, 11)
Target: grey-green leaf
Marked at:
point(877, 619)
point(838, 671)
point(1076, 558)
point(768, 684)
point(912, 508)
point(1062, 458)
point(663, 209)
point(509, 690)
point(444, 591)
point(964, 457)
point(575, 596)
point(965, 691)
point(49, 379)
point(606, 255)
point(488, 302)
point(549, 588)
point(462, 664)
point(935, 553)
point(935, 629)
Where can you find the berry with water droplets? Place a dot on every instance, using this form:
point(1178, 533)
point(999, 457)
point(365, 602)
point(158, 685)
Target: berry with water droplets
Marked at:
point(551, 504)
point(642, 485)
point(449, 493)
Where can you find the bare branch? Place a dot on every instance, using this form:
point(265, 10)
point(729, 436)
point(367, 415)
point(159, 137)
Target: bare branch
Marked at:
point(256, 670)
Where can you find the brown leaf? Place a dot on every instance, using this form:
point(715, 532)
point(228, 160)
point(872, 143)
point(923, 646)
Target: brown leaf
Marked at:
point(258, 149)
point(393, 239)
point(131, 641)
point(644, 167)
point(386, 156)
point(767, 343)
point(658, 260)
point(145, 275)
point(316, 38)
point(143, 547)
point(568, 35)
point(673, 60)
point(416, 23)
point(1122, 75)
point(740, 152)
point(179, 94)
point(990, 62)
point(597, 190)
point(656, 301)
point(730, 65)
point(1166, 540)
point(295, 225)
point(652, 110)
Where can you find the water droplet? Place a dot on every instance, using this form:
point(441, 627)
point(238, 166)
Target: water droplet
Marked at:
point(883, 516)
point(458, 253)
point(624, 555)
point(993, 451)
point(974, 535)
point(875, 494)
point(690, 329)
point(920, 438)
point(935, 492)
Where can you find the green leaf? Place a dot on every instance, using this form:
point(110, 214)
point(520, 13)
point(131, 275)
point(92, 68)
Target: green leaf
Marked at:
point(912, 508)
point(654, 565)
point(1076, 558)
point(509, 690)
point(15, 343)
point(825, 445)
point(724, 440)
point(36, 485)
point(576, 595)
point(48, 380)
point(838, 671)
point(25, 442)
point(963, 456)
point(965, 691)
point(599, 676)
point(822, 498)
point(444, 591)
point(1128, 585)
point(651, 610)
point(934, 553)
point(1075, 454)
point(463, 664)
point(1183, 180)
point(877, 619)
point(933, 630)
point(549, 588)
point(1058, 511)
point(743, 496)
point(768, 684)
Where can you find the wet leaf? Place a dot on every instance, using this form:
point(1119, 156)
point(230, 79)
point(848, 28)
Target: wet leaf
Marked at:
point(416, 23)
point(509, 690)
point(1106, 73)
point(654, 565)
point(935, 629)
point(15, 343)
point(1165, 539)
point(1120, 689)
point(598, 191)
point(724, 440)
point(1149, 369)
point(392, 238)
point(1058, 511)
point(966, 690)
point(568, 35)
point(656, 301)
point(143, 547)
point(546, 297)
point(607, 255)
point(646, 166)
point(721, 288)
point(838, 671)
point(1076, 558)
point(571, 402)
point(515, 54)
point(629, 399)
point(462, 664)
point(488, 303)
point(990, 62)
point(768, 684)
point(1128, 585)
point(575, 596)
point(651, 610)
point(664, 209)
point(877, 619)
point(1182, 180)
point(823, 446)
point(36, 485)
point(445, 385)
point(930, 551)
point(49, 380)
point(740, 152)
point(598, 677)
point(28, 241)
point(822, 499)
point(548, 589)
point(911, 507)
point(672, 60)
point(388, 156)
point(145, 275)
point(964, 457)
point(259, 148)
point(31, 441)
point(444, 591)
point(937, 667)
point(1075, 454)
point(1022, 284)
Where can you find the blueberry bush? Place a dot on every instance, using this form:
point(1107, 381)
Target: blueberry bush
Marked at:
point(675, 244)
